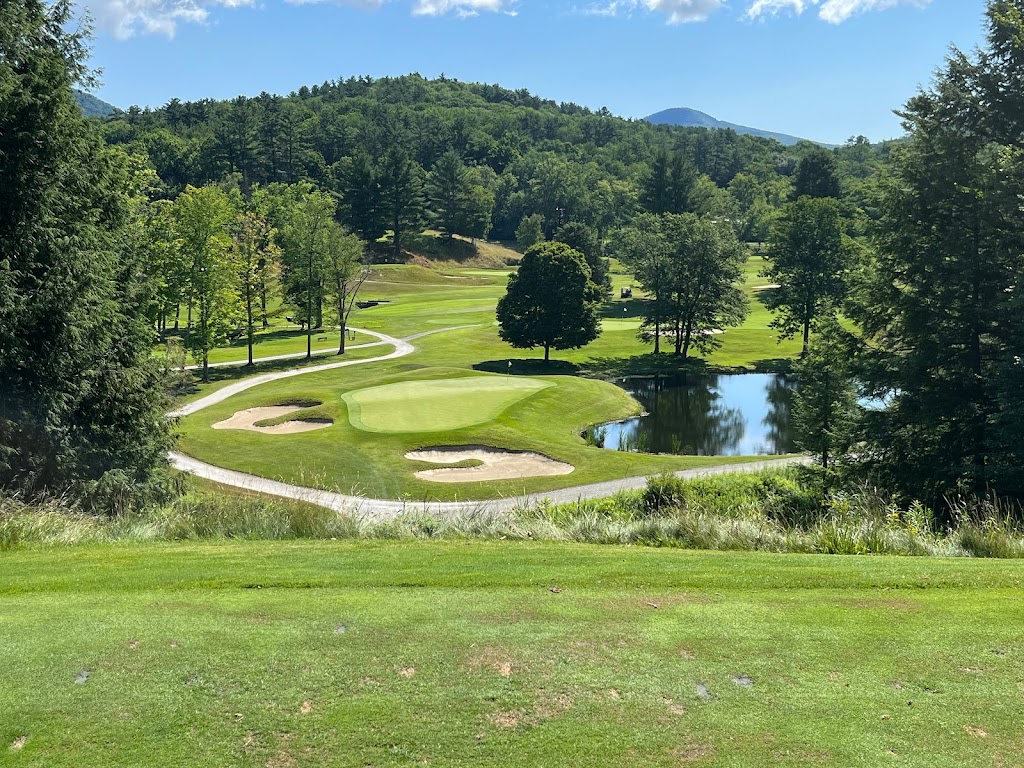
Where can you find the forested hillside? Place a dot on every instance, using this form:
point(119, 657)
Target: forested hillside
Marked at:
point(523, 155)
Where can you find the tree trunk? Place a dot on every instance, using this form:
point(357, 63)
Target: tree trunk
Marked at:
point(248, 317)
point(177, 311)
point(341, 322)
point(547, 351)
point(686, 341)
point(679, 337)
point(263, 302)
point(807, 336)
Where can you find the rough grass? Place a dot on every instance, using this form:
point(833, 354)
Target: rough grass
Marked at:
point(458, 653)
point(764, 511)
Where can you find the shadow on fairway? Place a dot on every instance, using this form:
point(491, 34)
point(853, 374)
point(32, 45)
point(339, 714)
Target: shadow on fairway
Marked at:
point(529, 367)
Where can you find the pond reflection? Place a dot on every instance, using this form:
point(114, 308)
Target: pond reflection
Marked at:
point(705, 415)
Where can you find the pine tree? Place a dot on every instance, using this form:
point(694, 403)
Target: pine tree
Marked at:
point(81, 410)
point(937, 299)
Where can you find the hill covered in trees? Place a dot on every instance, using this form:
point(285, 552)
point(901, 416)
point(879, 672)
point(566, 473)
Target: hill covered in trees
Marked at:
point(519, 155)
point(692, 118)
point(92, 106)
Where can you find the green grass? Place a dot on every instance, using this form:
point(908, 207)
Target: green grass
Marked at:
point(418, 299)
point(437, 405)
point(344, 457)
point(454, 653)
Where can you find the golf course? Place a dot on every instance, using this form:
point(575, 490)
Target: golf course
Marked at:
point(399, 420)
point(364, 428)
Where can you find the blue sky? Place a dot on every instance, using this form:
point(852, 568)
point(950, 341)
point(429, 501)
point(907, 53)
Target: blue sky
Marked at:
point(822, 69)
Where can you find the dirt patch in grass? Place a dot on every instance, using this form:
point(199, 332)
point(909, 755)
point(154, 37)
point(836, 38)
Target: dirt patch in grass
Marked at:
point(18, 743)
point(504, 719)
point(497, 659)
point(980, 733)
point(691, 753)
point(407, 672)
point(306, 708)
point(494, 464)
point(248, 420)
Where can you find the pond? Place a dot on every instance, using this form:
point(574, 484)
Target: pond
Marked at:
point(744, 414)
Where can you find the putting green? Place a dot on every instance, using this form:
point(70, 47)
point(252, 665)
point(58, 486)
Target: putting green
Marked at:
point(439, 405)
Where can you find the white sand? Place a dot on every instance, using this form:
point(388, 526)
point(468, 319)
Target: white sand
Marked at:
point(247, 420)
point(497, 464)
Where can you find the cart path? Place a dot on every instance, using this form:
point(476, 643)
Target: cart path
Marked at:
point(385, 509)
point(402, 348)
point(288, 356)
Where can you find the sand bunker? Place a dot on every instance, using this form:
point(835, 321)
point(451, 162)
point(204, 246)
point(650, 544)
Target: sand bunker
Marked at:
point(247, 420)
point(496, 464)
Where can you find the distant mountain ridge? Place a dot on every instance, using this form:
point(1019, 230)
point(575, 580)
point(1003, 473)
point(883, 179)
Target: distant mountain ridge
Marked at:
point(692, 118)
point(93, 107)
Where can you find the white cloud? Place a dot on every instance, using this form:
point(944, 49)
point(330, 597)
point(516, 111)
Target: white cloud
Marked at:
point(462, 7)
point(127, 18)
point(677, 11)
point(832, 11)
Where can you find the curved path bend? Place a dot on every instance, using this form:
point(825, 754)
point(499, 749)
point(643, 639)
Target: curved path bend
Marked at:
point(383, 509)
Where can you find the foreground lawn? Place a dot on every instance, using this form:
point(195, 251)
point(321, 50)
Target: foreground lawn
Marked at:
point(404, 653)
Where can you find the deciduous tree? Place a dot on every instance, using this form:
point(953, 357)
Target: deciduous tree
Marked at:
point(550, 301)
point(807, 259)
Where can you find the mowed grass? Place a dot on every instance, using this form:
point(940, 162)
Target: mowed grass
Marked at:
point(441, 653)
point(346, 458)
point(437, 405)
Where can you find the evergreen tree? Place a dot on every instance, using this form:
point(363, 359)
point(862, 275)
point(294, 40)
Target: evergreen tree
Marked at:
point(448, 189)
point(668, 186)
point(361, 197)
point(550, 301)
point(825, 405)
point(937, 297)
point(402, 203)
point(817, 175)
point(81, 410)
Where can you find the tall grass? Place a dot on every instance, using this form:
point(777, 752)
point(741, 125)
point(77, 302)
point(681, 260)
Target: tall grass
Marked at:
point(771, 511)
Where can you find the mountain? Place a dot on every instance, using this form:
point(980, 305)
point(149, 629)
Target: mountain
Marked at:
point(691, 118)
point(93, 107)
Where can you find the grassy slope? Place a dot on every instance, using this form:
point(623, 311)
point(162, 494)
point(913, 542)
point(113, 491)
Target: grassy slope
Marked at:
point(461, 654)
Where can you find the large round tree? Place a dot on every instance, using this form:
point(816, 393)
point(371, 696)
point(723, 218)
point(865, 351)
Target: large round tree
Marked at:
point(80, 411)
point(550, 302)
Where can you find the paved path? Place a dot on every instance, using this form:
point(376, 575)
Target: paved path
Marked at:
point(402, 348)
point(289, 356)
point(383, 509)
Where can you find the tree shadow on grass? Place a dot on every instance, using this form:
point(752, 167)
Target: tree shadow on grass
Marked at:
point(528, 367)
point(641, 365)
point(628, 309)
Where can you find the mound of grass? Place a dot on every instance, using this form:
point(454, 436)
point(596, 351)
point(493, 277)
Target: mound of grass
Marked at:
point(437, 405)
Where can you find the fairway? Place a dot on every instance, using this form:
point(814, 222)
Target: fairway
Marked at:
point(308, 654)
point(436, 406)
